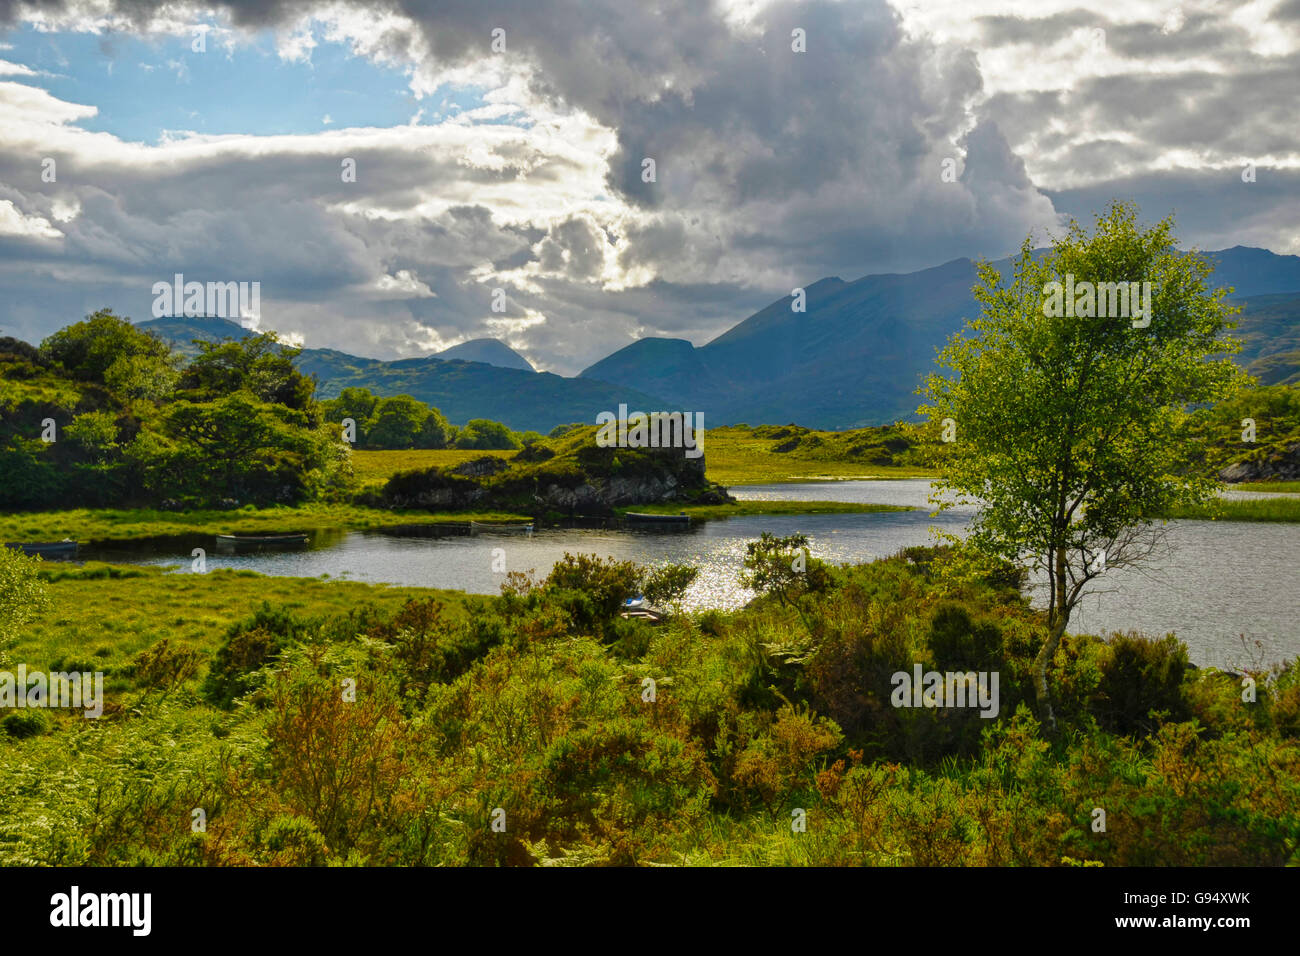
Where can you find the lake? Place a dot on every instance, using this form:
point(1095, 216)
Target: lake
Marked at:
point(1227, 589)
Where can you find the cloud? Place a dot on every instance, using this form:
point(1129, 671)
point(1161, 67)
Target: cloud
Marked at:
point(14, 224)
point(773, 168)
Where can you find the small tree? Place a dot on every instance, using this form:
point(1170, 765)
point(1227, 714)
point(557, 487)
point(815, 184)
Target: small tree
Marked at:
point(667, 585)
point(783, 568)
point(1066, 426)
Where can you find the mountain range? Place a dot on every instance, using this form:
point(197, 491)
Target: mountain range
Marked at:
point(855, 357)
point(862, 348)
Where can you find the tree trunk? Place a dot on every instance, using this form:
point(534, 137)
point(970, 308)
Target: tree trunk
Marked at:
point(1043, 692)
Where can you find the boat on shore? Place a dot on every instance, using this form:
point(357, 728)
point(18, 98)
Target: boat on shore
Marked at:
point(636, 608)
point(639, 517)
point(255, 542)
point(67, 548)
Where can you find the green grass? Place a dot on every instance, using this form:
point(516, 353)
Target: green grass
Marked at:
point(1263, 509)
point(103, 615)
point(742, 508)
point(111, 524)
point(376, 467)
point(1274, 487)
point(740, 456)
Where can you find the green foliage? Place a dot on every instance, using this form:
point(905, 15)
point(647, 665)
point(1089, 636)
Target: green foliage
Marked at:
point(239, 423)
point(481, 433)
point(1139, 677)
point(395, 423)
point(666, 586)
point(258, 364)
point(783, 568)
point(372, 726)
point(23, 596)
point(248, 647)
point(22, 724)
point(108, 350)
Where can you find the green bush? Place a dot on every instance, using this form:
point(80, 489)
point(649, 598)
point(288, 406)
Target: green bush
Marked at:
point(26, 723)
point(248, 647)
point(1142, 677)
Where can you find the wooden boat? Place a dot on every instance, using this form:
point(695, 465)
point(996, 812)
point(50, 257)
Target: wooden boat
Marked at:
point(637, 517)
point(635, 608)
point(254, 542)
point(67, 548)
point(489, 527)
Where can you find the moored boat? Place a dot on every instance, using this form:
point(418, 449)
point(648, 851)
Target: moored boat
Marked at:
point(46, 549)
point(253, 542)
point(491, 527)
point(638, 517)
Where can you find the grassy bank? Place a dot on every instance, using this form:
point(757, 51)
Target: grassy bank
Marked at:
point(111, 524)
point(1263, 509)
point(744, 508)
point(107, 525)
point(103, 615)
point(1273, 487)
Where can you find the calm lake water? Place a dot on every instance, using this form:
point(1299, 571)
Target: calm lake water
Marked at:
point(1219, 585)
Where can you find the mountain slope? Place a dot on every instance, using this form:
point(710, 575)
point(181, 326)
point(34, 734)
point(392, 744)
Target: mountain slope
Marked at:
point(862, 348)
point(524, 400)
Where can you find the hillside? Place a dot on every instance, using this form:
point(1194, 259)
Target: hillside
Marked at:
point(525, 401)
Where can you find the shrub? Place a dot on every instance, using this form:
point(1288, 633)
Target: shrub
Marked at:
point(165, 667)
point(959, 643)
point(26, 723)
point(1142, 677)
point(247, 647)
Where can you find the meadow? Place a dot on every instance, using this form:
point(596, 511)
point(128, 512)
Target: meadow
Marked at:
point(739, 455)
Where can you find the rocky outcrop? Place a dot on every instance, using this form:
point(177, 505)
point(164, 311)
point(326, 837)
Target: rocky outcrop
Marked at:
point(1277, 465)
point(594, 482)
point(602, 496)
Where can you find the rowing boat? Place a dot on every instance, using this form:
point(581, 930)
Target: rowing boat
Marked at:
point(637, 517)
point(46, 549)
point(489, 527)
point(252, 542)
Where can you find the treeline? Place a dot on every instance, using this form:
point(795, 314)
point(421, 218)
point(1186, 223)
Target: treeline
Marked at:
point(402, 422)
point(765, 736)
point(103, 414)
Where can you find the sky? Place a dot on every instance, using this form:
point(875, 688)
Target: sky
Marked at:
point(500, 153)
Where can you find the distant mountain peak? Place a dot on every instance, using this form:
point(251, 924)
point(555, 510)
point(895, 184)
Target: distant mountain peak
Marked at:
point(487, 351)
